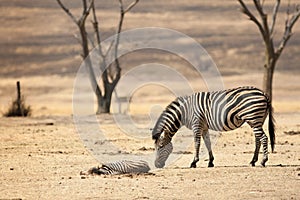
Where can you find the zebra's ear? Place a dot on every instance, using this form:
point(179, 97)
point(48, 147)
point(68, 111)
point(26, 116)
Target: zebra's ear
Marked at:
point(155, 136)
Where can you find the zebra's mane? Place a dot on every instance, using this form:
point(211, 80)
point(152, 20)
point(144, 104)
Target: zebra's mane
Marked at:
point(158, 128)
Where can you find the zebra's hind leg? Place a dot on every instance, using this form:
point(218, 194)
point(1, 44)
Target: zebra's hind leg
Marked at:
point(197, 140)
point(194, 163)
point(258, 134)
point(264, 141)
point(260, 137)
point(206, 138)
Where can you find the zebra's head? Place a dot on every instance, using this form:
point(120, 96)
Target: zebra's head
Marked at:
point(166, 126)
point(163, 145)
point(163, 148)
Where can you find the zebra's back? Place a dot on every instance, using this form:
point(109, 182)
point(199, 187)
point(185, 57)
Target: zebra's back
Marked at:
point(229, 109)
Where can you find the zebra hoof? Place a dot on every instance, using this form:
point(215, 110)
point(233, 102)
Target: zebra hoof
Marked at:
point(263, 162)
point(193, 165)
point(252, 163)
point(210, 164)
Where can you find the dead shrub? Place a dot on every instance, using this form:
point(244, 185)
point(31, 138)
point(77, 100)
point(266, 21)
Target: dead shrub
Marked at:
point(18, 109)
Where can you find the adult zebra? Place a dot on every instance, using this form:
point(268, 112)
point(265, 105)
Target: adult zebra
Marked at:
point(220, 111)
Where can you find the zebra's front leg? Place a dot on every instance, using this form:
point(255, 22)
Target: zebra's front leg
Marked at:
point(206, 138)
point(197, 140)
point(258, 135)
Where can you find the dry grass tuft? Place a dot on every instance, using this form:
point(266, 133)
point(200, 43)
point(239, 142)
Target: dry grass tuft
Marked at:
point(18, 109)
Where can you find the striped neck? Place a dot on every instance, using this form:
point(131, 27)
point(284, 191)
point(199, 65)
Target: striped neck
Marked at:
point(186, 110)
point(169, 121)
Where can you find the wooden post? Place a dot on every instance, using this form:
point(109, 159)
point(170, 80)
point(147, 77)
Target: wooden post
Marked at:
point(20, 110)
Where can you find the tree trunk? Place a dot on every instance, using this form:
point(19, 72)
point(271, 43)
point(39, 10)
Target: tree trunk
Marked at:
point(102, 102)
point(103, 106)
point(105, 102)
point(20, 109)
point(268, 78)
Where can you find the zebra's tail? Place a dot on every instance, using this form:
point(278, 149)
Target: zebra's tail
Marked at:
point(271, 126)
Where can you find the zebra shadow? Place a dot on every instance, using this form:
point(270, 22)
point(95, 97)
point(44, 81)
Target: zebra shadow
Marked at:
point(239, 166)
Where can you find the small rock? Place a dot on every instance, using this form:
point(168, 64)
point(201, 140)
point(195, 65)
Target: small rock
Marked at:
point(143, 149)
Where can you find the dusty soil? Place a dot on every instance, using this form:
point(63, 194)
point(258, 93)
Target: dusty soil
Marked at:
point(40, 160)
point(42, 156)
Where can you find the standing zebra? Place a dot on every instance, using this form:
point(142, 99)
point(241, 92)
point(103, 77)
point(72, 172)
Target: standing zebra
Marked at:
point(220, 111)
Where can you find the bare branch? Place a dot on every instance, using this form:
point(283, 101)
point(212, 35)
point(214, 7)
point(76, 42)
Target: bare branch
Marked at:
point(264, 20)
point(259, 7)
point(86, 11)
point(289, 24)
point(84, 5)
point(131, 6)
point(274, 16)
point(67, 11)
point(96, 30)
point(122, 15)
point(247, 12)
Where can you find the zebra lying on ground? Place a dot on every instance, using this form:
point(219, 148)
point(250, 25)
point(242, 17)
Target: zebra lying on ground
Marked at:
point(120, 167)
point(220, 111)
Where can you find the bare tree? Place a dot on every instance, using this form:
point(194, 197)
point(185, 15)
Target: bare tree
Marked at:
point(110, 75)
point(272, 53)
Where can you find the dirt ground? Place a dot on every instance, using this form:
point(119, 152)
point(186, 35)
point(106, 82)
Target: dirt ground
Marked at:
point(40, 160)
point(41, 156)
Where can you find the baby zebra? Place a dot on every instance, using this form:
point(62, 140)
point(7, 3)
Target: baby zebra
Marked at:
point(219, 111)
point(120, 167)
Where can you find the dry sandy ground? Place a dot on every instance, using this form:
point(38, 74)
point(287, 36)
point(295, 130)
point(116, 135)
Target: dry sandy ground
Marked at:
point(40, 160)
point(41, 157)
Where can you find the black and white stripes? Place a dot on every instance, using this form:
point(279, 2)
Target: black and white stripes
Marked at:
point(121, 167)
point(220, 111)
point(162, 153)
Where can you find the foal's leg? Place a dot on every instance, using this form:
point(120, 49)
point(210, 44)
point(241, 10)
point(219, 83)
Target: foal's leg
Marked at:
point(207, 142)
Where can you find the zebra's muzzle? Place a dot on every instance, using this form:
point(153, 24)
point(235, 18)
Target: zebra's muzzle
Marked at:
point(162, 154)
